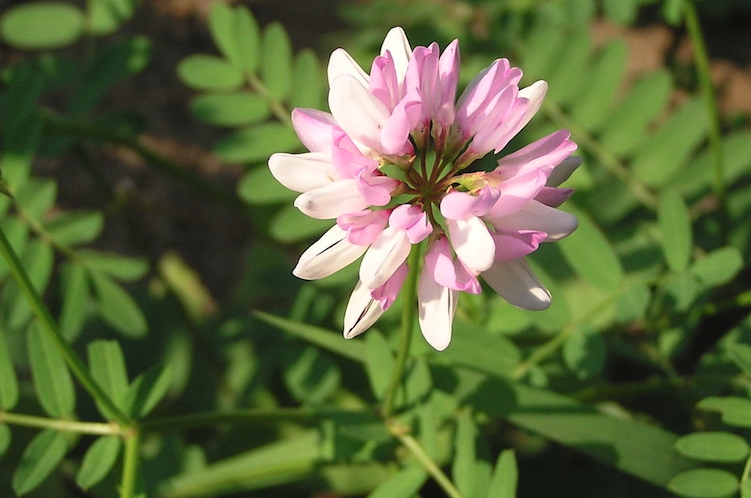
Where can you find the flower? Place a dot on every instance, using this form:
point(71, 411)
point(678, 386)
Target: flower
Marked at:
point(387, 164)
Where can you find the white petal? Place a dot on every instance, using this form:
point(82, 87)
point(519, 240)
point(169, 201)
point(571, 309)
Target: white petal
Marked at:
point(535, 93)
point(472, 243)
point(362, 312)
point(515, 282)
point(302, 172)
point(358, 112)
point(397, 43)
point(563, 171)
point(387, 253)
point(341, 62)
point(327, 255)
point(541, 218)
point(333, 200)
point(436, 308)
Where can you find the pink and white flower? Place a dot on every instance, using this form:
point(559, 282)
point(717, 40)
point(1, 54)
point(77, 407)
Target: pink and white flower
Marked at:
point(471, 226)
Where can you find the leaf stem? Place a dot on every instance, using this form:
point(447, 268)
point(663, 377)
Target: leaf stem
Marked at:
point(77, 366)
point(427, 463)
point(92, 428)
point(408, 317)
point(708, 94)
point(130, 465)
point(277, 108)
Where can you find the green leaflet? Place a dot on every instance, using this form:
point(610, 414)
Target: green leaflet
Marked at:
point(52, 380)
point(39, 459)
point(98, 461)
point(42, 25)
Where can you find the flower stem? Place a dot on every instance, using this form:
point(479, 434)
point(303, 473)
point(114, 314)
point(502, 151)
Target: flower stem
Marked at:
point(130, 465)
point(428, 464)
point(707, 90)
point(77, 366)
point(93, 428)
point(408, 318)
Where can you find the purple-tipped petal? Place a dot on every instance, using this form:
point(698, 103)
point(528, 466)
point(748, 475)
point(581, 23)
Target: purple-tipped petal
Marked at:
point(327, 255)
point(515, 282)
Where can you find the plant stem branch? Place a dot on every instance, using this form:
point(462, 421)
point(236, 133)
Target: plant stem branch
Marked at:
point(93, 428)
point(427, 463)
point(408, 317)
point(47, 323)
point(130, 465)
point(708, 94)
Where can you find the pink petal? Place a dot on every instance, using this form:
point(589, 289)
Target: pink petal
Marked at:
point(545, 154)
point(363, 227)
point(436, 309)
point(362, 312)
point(327, 255)
point(472, 243)
point(302, 172)
point(384, 256)
point(357, 111)
point(386, 294)
point(535, 94)
point(314, 128)
point(540, 218)
point(447, 271)
point(457, 205)
point(553, 196)
point(397, 44)
point(515, 282)
point(333, 200)
point(516, 245)
point(517, 192)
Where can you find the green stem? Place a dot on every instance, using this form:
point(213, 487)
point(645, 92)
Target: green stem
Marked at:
point(427, 463)
point(77, 366)
point(61, 125)
point(130, 465)
point(707, 90)
point(93, 428)
point(609, 160)
point(277, 108)
point(249, 416)
point(408, 317)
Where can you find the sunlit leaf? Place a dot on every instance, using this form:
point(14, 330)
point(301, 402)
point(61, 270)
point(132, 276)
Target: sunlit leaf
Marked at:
point(39, 459)
point(230, 109)
point(252, 145)
point(98, 461)
point(719, 266)
point(41, 25)
point(248, 38)
point(594, 106)
point(735, 411)
point(403, 484)
point(276, 66)
point(379, 362)
point(290, 225)
point(741, 356)
point(505, 477)
point(5, 439)
point(52, 380)
point(308, 69)
point(208, 72)
point(105, 16)
point(704, 483)
point(222, 28)
point(107, 366)
point(713, 447)
point(632, 302)
point(259, 187)
point(675, 227)
point(465, 454)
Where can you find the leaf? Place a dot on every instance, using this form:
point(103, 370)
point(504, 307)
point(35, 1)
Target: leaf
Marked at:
point(584, 353)
point(147, 390)
point(621, 11)
point(107, 366)
point(36, 197)
point(74, 290)
point(115, 265)
point(565, 77)
point(626, 128)
point(735, 411)
point(593, 107)
point(505, 477)
point(719, 266)
point(704, 483)
point(248, 36)
point(741, 356)
point(713, 447)
point(45, 451)
point(98, 461)
point(476, 348)
point(632, 303)
point(418, 382)
point(5, 439)
point(208, 72)
point(588, 251)
point(253, 145)
point(290, 225)
point(675, 227)
point(114, 63)
point(404, 484)
point(8, 379)
point(465, 454)
point(230, 109)
point(116, 307)
point(310, 375)
point(379, 362)
point(259, 187)
point(222, 29)
point(276, 65)
point(72, 228)
point(41, 25)
point(38, 260)
point(308, 69)
point(668, 150)
point(52, 380)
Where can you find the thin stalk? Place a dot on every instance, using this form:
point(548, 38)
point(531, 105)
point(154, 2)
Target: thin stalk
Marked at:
point(277, 108)
point(130, 465)
point(708, 94)
point(92, 428)
point(77, 366)
point(408, 318)
point(428, 464)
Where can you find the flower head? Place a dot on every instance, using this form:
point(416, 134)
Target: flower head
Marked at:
point(387, 165)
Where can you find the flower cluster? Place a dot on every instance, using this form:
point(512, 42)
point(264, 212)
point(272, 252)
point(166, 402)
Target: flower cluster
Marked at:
point(386, 163)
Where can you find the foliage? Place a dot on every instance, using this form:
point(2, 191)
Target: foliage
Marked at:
point(122, 374)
